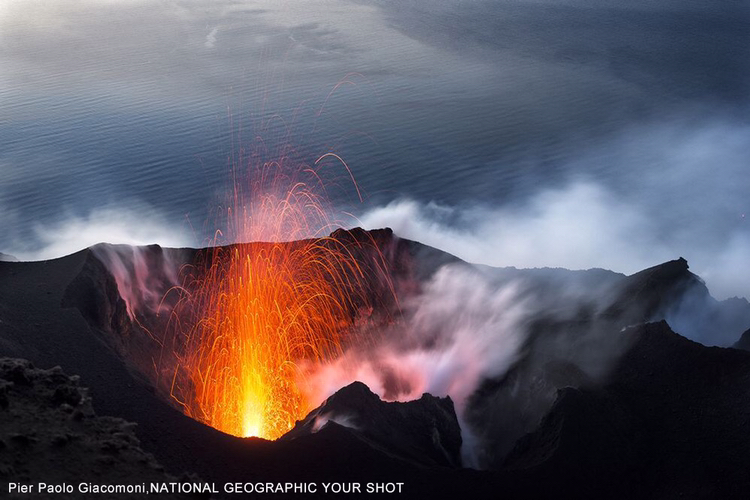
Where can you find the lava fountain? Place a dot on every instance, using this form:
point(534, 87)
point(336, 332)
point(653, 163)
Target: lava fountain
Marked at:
point(250, 313)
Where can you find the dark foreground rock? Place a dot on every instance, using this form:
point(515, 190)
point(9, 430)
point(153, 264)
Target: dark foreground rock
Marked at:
point(673, 421)
point(49, 432)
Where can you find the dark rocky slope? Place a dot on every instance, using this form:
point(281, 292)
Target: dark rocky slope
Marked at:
point(744, 341)
point(577, 343)
point(590, 409)
point(673, 421)
point(424, 431)
point(49, 432)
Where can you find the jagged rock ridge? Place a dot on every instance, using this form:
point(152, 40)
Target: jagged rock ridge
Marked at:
point(424, 431)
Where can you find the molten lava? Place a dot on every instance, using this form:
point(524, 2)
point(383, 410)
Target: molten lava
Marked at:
point(256, 310)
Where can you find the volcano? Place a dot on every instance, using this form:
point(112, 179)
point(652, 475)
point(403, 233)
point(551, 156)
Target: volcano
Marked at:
point(602, 397)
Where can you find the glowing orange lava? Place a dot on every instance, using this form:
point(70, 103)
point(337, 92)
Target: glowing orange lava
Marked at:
point(259, 309)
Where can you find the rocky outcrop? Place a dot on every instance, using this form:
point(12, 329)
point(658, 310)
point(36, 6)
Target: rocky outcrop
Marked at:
point(670, 291)
point(49, 432)
point(744, 342)
point(577, 341)
point(94, 293)
point(641, 296)
point(672, 421)
point(425, 431)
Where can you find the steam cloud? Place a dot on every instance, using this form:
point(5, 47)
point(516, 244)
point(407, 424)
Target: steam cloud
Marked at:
point(141, 282)
point(671, 191)
point(343, 420)
point(459, 331)
point(135, 224)
point(581, 226)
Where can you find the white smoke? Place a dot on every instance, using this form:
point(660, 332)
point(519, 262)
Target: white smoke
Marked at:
point(580, 226)
point(137, 224)
point(342, 419)
point(461, 330)
point(142, 282)
point(653, 194)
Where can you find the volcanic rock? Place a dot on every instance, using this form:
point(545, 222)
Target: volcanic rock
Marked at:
point(94, 293)
point(592, 407)
point(744, 342)
point(406, 259)
point(579, 341)
point(425, 431)
point(646, 293)
point(50, 432)
point(670, 291)
point(672, 421)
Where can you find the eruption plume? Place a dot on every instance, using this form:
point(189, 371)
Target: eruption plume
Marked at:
point(249, 313)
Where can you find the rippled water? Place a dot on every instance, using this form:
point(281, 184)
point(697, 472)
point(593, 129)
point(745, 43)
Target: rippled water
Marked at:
point(144, 104)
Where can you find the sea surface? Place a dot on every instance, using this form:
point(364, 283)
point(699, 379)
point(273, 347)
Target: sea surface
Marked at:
point(450, 114)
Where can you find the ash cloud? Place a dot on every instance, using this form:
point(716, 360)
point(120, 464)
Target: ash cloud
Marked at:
point(471, 326)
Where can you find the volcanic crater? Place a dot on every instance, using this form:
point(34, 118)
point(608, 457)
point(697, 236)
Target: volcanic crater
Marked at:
point(601, 398)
